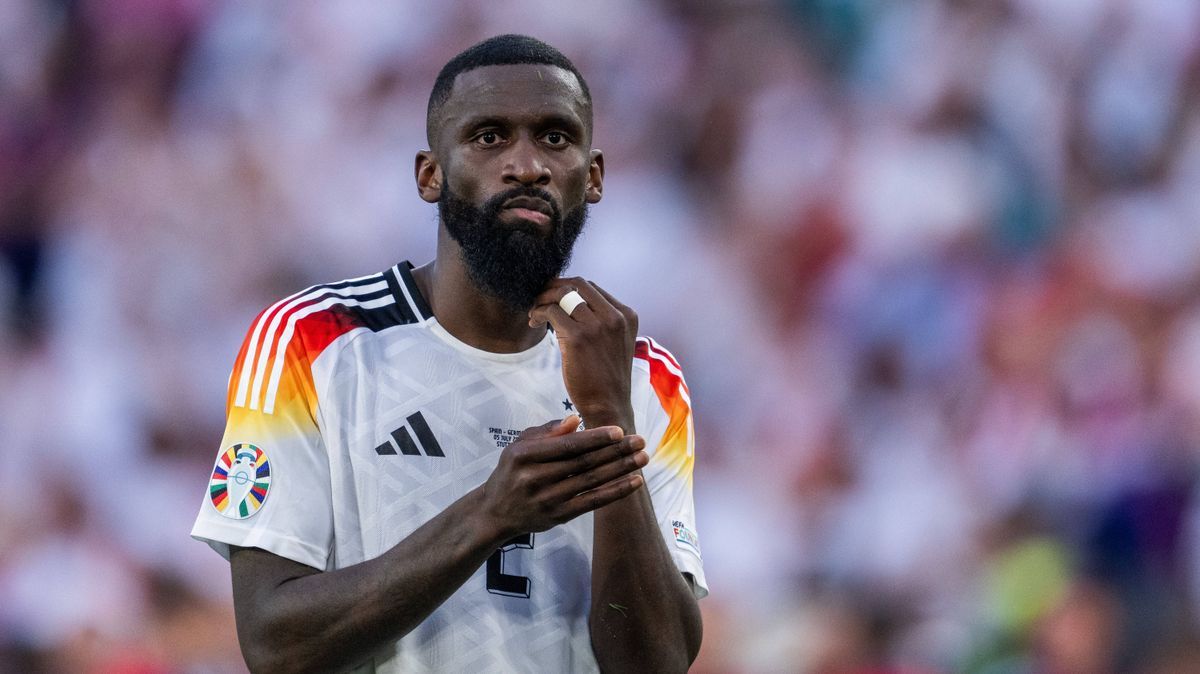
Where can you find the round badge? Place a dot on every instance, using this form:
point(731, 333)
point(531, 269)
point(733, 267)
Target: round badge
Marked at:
point(240, 481)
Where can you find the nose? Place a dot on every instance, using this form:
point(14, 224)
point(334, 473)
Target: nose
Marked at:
point(525, 166)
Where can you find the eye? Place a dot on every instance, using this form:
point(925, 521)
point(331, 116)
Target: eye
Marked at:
point(556, 139)
point(488, 138)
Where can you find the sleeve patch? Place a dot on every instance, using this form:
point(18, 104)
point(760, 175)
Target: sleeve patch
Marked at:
point(240, 482)
point(685, 538)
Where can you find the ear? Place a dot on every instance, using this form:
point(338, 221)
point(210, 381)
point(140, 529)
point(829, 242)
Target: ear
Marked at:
point(429, 176)
point(595, 183)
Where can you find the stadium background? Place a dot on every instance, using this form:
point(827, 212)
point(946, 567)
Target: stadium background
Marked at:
point(932, 268)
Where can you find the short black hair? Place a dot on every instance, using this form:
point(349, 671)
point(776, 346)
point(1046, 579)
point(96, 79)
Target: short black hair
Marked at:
point(502, 50)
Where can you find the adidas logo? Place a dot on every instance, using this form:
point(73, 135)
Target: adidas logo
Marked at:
point(403, 439)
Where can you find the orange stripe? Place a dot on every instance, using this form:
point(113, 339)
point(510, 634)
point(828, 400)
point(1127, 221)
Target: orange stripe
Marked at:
point(675, 448)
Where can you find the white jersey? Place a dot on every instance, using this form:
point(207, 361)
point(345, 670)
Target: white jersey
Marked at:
point(354, 418)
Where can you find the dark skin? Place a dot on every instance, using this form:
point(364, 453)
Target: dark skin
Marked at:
point(503, 126)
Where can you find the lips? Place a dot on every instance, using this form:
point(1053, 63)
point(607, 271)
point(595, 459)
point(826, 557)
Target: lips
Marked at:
point(529, 208)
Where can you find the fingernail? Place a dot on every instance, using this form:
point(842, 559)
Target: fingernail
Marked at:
point(615, 433)
point(641, 458)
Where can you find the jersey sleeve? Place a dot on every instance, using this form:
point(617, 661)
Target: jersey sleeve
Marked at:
point(668, 430)
point(270, 485)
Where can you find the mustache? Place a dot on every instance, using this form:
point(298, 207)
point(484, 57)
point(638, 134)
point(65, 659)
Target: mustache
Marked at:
point(494, 205)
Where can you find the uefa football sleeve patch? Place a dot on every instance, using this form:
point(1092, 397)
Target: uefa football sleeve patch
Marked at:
point(240, 482)
point(685, 538)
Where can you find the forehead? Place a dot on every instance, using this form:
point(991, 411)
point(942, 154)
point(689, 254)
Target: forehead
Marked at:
point(516, 91)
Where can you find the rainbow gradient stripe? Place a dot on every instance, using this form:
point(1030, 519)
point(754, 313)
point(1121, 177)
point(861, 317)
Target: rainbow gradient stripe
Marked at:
point(242, 464)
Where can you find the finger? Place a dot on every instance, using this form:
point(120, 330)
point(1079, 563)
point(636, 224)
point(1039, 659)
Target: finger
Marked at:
point(550, 299)
point(587, 461)
point(553, 294)
point(561, 282)
point(587, 290)
point(629, 314)
point(551, 428)
point(597, 476)
point(557, 448)
point(568, 425)
point(601, 496)
point(559, 288)
point(611, 304)
point(555, 316)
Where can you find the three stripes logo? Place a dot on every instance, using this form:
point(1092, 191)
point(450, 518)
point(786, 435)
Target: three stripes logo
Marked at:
point(401, 438)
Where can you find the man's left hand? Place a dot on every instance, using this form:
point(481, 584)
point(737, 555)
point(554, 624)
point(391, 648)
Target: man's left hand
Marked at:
point(597, 342)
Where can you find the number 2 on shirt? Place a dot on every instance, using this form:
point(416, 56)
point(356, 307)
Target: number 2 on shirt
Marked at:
point(499, 582)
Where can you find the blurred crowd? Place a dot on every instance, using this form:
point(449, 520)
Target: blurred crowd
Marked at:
point(932, 269)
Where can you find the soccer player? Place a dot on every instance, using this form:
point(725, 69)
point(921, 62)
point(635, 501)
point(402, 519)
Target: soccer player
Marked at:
point(405, 483)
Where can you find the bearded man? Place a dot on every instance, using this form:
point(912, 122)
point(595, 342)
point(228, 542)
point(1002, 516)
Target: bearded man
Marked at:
point(473, 465)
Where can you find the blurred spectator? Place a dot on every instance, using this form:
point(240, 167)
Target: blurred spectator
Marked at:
point(933, 269)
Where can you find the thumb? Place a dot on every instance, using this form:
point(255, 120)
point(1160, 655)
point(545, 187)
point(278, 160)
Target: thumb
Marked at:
point(551, 428)
point(568, 425)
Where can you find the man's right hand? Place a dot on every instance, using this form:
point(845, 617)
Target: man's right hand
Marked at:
point(553, 473)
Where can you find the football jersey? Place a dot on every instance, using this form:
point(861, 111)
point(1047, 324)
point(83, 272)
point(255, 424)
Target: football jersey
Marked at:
point(354, 417)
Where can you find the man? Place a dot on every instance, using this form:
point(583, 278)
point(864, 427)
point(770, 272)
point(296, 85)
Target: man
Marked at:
point(389, 492)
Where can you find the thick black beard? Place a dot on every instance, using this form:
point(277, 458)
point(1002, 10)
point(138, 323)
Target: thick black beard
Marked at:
point(512, 263)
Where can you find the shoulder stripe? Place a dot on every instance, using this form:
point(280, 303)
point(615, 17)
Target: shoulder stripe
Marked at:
point(392, 276)
point(655, 346)
point(263, 348)
point(412, 293)
point(645, 350)
point(273, 348)
point(666, 379)
point(254, 345)
point(368, 302)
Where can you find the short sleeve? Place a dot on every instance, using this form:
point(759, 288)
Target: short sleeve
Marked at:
point(270, 485)
point(666, 423)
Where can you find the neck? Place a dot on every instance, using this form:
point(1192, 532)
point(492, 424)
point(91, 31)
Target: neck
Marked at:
point(471, 315)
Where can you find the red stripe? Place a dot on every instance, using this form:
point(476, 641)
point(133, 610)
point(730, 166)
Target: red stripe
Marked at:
point(318, 330)
point(327, 328)
point(659, 371)
point(664, 382)
point(641, 349)
point(664, 353)
point(271, 348)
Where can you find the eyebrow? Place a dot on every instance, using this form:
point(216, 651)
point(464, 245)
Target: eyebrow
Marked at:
point(472, 123)
point(566, 122)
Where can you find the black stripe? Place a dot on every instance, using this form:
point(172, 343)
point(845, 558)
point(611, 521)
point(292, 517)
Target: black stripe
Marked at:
point(381, 318)
point(406, 277)
point(373, 295)
point(432, 448)
point(398, 294)
point(341, 285)
point(377, 318)
point(405, 442)
point(385, 449)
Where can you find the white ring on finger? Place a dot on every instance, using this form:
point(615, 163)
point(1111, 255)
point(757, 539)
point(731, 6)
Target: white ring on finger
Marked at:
point(571, 301)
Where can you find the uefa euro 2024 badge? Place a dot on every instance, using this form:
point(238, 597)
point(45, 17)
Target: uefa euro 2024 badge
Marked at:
point(240, 481)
